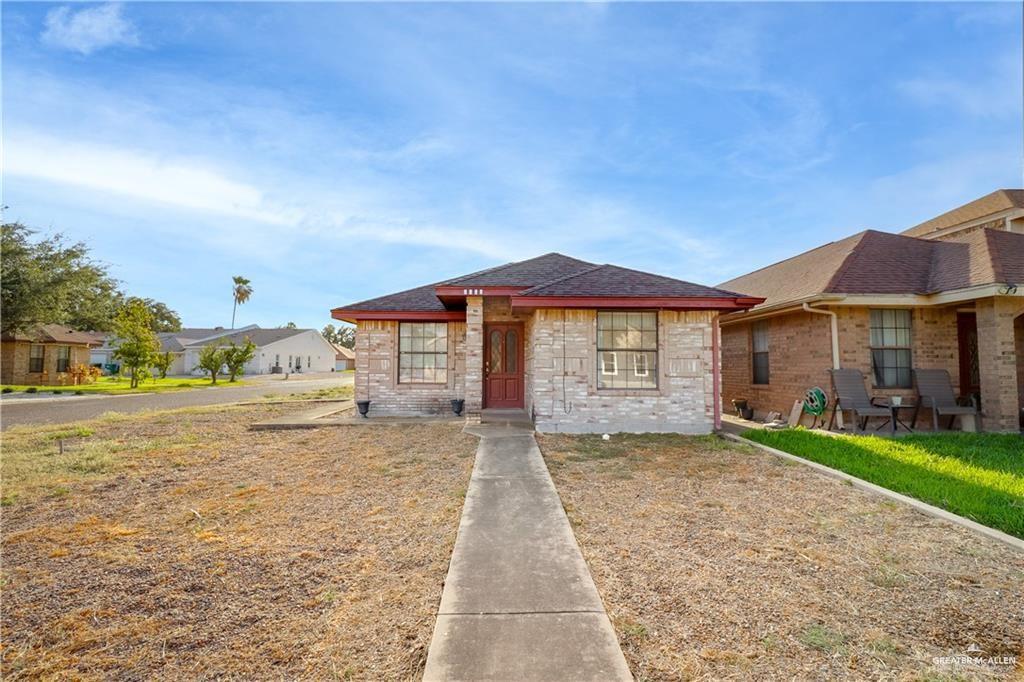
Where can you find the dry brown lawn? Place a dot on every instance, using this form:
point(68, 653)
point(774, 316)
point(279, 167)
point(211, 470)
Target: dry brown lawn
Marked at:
point(182, 545)
point(717, 561)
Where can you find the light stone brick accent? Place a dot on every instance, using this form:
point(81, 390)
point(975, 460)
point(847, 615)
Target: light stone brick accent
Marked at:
point(474, 352)
point(377, 372)
point(564, 389)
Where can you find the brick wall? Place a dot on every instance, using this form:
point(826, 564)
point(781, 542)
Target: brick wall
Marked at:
point(800, 354)
point(564, 384)
point(999, 362)
point(377, 372)
point(14, 360)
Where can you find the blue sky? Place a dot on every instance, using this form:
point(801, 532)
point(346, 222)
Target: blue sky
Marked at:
point(334, 152)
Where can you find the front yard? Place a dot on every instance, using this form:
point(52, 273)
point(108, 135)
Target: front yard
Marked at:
point(121, 385)
point(716, 560)
point(977, 475)
point(181, 545)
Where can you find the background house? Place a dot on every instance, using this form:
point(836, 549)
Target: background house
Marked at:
point(946, 294)
point(289, 350)
point(345, 358)
point(44, 356)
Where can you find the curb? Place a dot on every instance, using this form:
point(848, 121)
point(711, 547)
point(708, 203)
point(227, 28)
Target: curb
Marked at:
point(923, 507)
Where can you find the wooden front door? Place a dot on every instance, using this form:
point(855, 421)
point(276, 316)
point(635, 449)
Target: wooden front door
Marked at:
point(967, 339)
point(503, 365)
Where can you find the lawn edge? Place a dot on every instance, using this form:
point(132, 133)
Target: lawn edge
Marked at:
point(937, 512)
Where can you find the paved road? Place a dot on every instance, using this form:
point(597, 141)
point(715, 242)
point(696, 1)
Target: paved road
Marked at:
point(69, 409)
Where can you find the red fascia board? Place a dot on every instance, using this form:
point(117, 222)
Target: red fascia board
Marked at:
point(460, 291)
point(406, 315)
point(674, 302)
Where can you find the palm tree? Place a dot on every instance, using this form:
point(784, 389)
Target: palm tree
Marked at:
point(242, 292)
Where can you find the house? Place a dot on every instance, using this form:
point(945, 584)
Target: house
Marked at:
point(578, 347)
point(945, 294)
point(280, 350)
point(44, 356)
point(345, 358)
point(292, 350)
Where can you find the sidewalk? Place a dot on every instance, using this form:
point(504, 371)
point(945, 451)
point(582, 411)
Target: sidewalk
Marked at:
point(519, 602)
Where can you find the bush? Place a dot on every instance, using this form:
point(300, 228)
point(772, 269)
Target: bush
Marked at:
point(7, 389)
point(31, 389)
point(79, 392)
point(58, 392)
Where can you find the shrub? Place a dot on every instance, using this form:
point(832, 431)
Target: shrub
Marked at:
point(58, 392)
point(8, 389)
point(31, 389)
point(79, 392)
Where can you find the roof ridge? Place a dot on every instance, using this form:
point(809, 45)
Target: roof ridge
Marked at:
point(994, 263)
point(563, 278)
point(496, 268)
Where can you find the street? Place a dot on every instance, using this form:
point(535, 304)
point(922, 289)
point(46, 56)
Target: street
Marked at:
point(70, 409)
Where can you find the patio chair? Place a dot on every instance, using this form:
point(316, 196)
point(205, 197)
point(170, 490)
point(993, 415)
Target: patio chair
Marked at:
point(935, 391)
point(850, 394)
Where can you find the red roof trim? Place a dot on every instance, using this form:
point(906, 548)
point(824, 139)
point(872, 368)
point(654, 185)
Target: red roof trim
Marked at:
point(456, 290)
point(679, 302)
point(420, 315)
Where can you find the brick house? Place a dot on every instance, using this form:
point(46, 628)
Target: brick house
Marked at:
point(577, 347)
point(946, 294)
point(45, 356)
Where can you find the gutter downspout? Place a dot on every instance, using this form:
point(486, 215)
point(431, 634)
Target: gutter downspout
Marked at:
point(716, 384)
point(835, 331)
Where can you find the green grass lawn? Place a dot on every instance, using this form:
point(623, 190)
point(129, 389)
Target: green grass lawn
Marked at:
point(121, 385)
point(976, 475)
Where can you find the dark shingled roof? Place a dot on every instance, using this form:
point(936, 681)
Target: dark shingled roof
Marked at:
point(55, 333)
point(612, 280)
point(882, 263)
point(420, 299)
point(990, 204)
point(549, 275)
point(525, 273)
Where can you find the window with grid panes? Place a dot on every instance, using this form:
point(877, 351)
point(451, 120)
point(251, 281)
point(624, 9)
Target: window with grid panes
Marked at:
point(627, 349)
point(890, 348)
point(422, 352)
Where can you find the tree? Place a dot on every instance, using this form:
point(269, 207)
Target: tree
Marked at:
point(162, 362)
point(211, 360)
point(137, 345)
point(340, 336)
point(242, 291)
point(289, 325)
point(164, 319)
point(236, 356)
point(51, 281)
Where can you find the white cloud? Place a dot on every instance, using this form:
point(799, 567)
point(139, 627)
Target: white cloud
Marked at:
point(183, 183)
point(90, 29)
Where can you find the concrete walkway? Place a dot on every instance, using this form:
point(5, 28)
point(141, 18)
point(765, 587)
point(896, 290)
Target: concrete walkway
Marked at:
point(519, 602)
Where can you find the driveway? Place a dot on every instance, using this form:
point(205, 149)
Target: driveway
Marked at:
point(69, 409)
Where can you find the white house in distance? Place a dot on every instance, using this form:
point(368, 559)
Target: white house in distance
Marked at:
point(281, 350)
point(292, 350)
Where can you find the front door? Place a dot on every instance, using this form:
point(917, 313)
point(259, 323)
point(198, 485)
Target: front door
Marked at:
point(967, 339)
point(503, 365)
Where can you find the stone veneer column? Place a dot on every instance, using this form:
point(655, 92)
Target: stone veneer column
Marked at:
point(997, 359)
point(474, 357)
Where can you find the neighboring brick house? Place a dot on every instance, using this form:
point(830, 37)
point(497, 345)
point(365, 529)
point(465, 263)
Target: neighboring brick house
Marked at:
point(578, 347)
point(43, 357)
point(946, 294)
